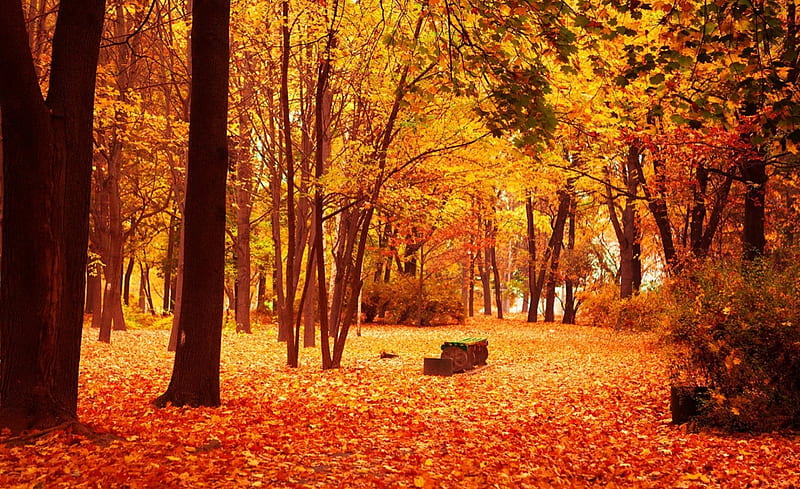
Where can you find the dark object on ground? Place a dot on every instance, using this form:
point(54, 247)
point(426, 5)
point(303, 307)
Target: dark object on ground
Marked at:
point(466, 353)
point(442, 367)
point(389, 354)
point(687, 402)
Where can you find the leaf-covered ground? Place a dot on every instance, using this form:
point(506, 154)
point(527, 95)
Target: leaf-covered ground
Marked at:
point(558, 406)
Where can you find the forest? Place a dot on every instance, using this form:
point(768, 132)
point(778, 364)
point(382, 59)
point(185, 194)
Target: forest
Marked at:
point(290, 189)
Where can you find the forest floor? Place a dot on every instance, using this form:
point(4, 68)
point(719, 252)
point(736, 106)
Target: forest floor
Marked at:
point(557, 406)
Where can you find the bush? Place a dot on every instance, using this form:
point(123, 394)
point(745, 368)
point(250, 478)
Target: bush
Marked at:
point(598, 304)
point(399, 303)
point(641, 312)
point(738, 326)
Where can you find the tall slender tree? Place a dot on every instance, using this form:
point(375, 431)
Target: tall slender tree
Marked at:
point(195, 375)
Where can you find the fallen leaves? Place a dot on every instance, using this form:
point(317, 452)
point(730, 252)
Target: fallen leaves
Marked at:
point(558, 406)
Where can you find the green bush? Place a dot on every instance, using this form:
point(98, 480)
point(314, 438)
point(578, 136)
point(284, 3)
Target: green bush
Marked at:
point(738, 326)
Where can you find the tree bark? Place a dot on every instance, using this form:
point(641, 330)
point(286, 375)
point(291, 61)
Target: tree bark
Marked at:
point(657, 203)
point(244, 199)
point(471, 287)
point(754, 172)
point(47, 163)
point(553, 252)
point(498, 288)
point(261, 307)
point(195, 375)
point(126, 285)
point(626, 227)
point(484, 263)
point(533, 303)
point(169, 265)
point(570, 307)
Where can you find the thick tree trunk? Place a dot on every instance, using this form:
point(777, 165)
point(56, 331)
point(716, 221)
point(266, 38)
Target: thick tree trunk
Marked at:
point(195, 375)
point(47, 162)
point(1, 183)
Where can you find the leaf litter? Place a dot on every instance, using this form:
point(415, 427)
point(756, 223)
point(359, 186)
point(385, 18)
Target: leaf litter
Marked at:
point(557, 406)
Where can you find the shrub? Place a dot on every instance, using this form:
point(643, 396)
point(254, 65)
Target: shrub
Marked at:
point(644, 311)
point(739, 327)
point(597, 304)
point(641, 312)
point(400, 303)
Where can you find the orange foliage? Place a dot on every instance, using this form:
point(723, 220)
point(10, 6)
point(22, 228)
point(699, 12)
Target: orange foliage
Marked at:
point(558, 406)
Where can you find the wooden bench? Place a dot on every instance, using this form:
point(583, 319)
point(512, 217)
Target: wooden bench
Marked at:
point(467, 353)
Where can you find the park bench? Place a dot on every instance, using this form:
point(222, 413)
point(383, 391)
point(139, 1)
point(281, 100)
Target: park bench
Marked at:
point(466, 353)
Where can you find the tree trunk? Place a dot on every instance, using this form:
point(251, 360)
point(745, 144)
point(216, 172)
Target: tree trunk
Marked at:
point(658, 208)
point(126, 286)
point(47, 163)
point(244, 193)
point(625, 228)
point(471, 286)
point(177, 286)
point(754, 172)
point(144, 282)
point(112, 250)
point(169, 265)
point(421, 287)
point(714, 220)
point(498, 289)
point(569, 285)
point(179, 181)
point(464, 289)
point(261, 306)
point(533, 305)
point(310, 313)
point(94, 290)
point(551, 258)
point(484, 263)
point(195, 375)
point(148, 290)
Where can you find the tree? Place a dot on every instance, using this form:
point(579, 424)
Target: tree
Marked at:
point(195, 375)
point(626, 228)
point(47, 163)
